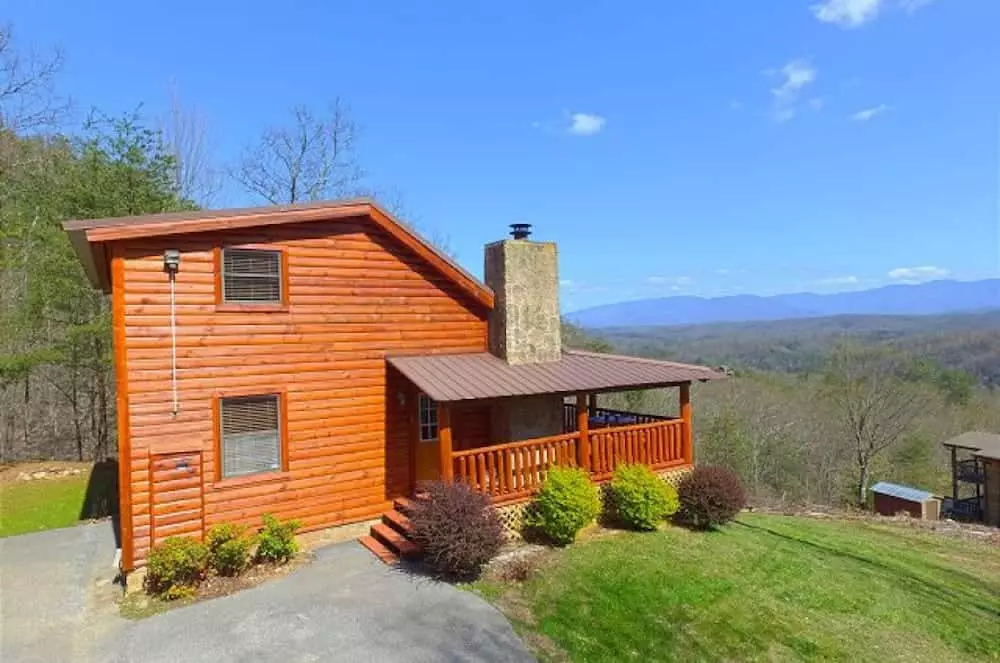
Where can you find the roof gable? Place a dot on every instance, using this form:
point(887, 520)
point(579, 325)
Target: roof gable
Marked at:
point(89, 236)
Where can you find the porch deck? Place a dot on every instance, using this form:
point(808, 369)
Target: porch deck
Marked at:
point(595, 439)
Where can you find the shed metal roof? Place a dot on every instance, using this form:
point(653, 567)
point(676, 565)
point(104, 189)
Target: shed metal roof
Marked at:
point(482, 375)
point(902, 492)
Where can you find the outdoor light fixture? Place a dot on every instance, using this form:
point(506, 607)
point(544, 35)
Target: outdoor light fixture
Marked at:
point(171, 260)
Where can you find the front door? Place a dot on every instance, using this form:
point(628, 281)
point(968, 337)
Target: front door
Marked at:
point(428, 457)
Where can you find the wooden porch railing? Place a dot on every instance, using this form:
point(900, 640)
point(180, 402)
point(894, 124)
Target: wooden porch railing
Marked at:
point(508, 472)
point(658, 444)
point(514, 470)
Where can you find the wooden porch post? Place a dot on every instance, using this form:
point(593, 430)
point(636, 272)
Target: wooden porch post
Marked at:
point(954, 473)
point(444, 442)
point(582, 426)
point(685, 410)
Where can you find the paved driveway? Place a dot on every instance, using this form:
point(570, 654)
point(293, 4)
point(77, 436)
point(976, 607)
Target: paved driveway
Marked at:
point(345, 606)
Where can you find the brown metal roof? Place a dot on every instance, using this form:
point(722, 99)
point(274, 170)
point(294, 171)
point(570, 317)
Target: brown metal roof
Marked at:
point(982, 444)
point(482, 375)
point(88, 235)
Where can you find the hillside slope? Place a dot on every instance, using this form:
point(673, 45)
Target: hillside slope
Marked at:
point(764, 588)
point(970, 342)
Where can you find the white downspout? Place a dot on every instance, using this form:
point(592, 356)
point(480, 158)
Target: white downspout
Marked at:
point(173, 342)
point(171, 264)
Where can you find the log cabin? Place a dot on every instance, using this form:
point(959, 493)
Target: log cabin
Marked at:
point(318, 361)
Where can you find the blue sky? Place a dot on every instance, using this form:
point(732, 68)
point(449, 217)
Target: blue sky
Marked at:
point(701, 148)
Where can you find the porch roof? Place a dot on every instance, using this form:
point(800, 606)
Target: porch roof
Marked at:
point(480, 375)
point(982, 444)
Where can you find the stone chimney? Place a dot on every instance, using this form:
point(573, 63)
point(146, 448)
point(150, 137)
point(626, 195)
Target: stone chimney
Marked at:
point(524, 326)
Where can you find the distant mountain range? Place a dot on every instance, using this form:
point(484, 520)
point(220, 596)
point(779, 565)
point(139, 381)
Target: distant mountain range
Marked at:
point(934, 297)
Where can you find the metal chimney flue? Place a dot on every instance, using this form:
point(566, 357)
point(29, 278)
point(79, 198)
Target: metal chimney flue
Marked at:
point(520, 230)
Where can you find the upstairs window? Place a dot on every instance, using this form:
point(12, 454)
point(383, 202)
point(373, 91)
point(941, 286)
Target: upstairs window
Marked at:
point(428, 419)
point(251, 276)
point(250, 435)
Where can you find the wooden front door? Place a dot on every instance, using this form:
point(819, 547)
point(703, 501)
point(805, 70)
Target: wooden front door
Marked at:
point(176, 496)
point(427, 444)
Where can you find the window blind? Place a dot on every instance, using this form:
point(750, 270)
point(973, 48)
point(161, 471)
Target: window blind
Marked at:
point(251, 442)
point(251, 275)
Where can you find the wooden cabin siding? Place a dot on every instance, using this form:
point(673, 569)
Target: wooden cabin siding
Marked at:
point(354, 295)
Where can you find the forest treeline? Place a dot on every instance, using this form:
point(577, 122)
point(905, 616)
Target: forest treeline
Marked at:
point(57, 163)
point(968, 343)
point(861, 410)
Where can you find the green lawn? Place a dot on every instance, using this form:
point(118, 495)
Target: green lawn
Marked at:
point(767, 588)
point(32, 506)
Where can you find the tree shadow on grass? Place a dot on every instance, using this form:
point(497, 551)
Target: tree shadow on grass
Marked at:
point(939, 594)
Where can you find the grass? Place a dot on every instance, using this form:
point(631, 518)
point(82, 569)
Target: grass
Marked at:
point(32, 506)
point(766, 588)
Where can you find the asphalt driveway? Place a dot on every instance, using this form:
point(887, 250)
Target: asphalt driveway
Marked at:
point(56, 603)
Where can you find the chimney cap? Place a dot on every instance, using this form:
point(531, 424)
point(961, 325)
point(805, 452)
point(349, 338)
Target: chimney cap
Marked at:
point(520, 230)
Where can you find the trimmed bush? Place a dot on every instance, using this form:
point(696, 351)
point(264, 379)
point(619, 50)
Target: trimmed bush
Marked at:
point(458, 528)
point(640, 499)
point(276, 540)
point(229, 549)
point(175, 567)
point(709, 497)
point(567, 503)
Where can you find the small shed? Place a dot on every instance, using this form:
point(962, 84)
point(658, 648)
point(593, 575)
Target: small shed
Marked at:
point(890, 499)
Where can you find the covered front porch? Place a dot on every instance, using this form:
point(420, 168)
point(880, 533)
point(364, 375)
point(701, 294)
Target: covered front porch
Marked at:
point(503, 458)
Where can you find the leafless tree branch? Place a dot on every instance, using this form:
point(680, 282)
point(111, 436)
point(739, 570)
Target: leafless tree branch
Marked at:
point(312, 158)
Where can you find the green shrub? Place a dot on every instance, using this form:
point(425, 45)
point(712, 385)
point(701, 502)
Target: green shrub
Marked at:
point(229, 549)
point(710, 496)
point(276, 541)
point(640, 499)
point(458, 529)
point(567, 502)
point(175, 567)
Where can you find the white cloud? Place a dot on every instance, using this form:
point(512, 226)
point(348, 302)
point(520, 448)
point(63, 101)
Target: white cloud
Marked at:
point(847, 13)
point(722, 272)
point(567, 283)
point(795, 76)
point(585, 124)
point(840, 280)
point(910, 6)
point(869, 113)
point(817, 103)
point(675, 282)
point(924, 273)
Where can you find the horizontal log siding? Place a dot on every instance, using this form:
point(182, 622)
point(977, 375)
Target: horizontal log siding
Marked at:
point(355, 294)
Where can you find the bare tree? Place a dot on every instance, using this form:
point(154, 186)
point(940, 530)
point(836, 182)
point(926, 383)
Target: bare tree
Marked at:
point(27, 98)
point(875, 405)
point(188, 139)
point(312, 158)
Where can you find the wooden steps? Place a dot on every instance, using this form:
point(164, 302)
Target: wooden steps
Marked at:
point(391, 539)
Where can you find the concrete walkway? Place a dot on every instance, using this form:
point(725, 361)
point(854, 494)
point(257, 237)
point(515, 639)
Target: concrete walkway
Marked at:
point(345, 606)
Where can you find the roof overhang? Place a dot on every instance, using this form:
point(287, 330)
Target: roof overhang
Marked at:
point(986, 445)
point(481, 375)
point(91, 237)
